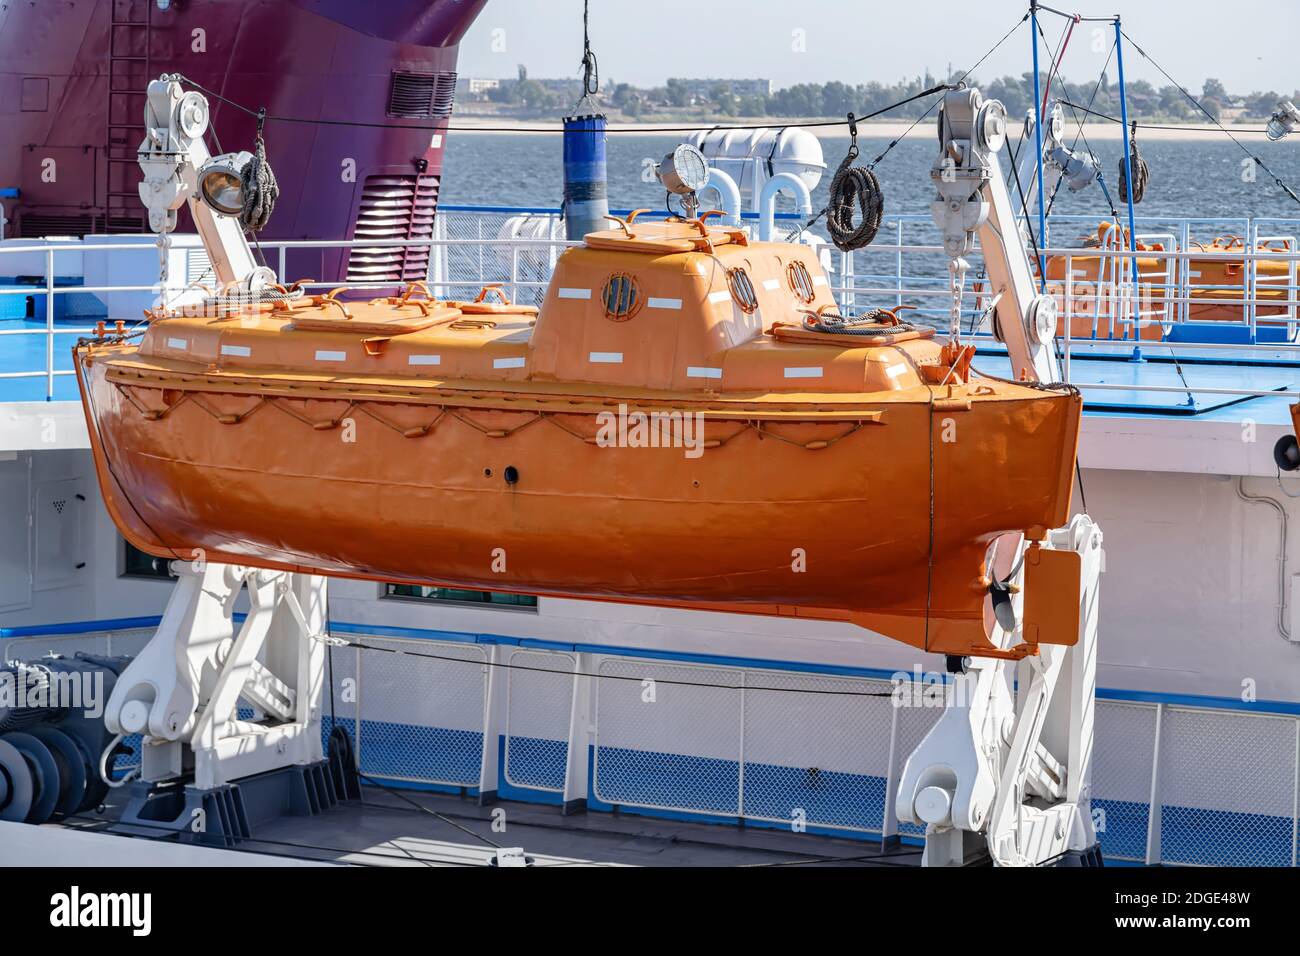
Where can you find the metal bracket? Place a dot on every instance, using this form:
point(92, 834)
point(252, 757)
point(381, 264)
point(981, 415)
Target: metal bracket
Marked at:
point(1010, 758)
point(182, 690)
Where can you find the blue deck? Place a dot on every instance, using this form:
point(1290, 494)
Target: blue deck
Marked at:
point(26, 353)
point(1190, 378)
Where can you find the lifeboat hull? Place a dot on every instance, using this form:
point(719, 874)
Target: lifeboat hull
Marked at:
point(879, 513)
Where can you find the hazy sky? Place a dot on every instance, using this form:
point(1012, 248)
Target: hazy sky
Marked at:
point(1248, 44)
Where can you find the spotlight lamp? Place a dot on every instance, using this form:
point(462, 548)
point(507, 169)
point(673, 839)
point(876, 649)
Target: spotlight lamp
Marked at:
point(221, 183)
point(684, 172)
point(1284, 121)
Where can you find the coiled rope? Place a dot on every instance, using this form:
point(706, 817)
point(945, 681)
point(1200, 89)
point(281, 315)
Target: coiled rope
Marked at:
point(854, 187)
point(1141, 174)
point(876, 322)
point(260, 187)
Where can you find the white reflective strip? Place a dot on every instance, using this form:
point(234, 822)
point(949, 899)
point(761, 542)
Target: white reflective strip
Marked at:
point(654, 303)
point(771, 285)
point(516, 362)
point(811, 371)
point(177, 344)
point(696, 371)
point(574, 293)
point(819, 280)
point(716, 297)
point(324, 355)
point(608, 358)
point(435, 141)
point(243, 350)
point(424, 360)
point(896, 370)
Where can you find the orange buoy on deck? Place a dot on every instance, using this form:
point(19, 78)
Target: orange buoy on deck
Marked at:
point(671, 427)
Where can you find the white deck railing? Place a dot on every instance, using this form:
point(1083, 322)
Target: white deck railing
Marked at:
point(769, 745)
point(519, 249)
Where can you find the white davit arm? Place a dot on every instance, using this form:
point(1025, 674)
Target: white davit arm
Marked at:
point(172, 158)
point(1005, 772)
point(972, 197)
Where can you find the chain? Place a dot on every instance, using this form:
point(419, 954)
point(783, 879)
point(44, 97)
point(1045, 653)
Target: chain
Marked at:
point(957, 269)
point(164, 273)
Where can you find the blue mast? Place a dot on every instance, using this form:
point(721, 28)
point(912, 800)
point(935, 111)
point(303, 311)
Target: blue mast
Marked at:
point(1128, 169)
point(1038, 140)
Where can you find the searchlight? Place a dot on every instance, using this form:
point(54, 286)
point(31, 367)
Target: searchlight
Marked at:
point(1284, 121)
point(221, 182)
point(684, 172)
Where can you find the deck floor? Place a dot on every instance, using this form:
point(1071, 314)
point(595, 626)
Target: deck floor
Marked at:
point(383, 829)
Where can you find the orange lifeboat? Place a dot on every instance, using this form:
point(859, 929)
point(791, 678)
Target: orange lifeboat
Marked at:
point(1218, 286)
point(1093, 311)
point(684, 422)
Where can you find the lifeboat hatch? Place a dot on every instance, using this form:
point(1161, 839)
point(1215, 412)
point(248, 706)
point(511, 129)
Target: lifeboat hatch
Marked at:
point(328, 313)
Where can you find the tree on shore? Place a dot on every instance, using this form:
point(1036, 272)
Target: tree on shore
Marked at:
point(1146, 102)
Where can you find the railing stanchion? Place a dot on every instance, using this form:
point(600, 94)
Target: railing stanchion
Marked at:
point(514, 273)
point(49, 324)
point(1069, 312)
point(1295, 797)
point(740, 775)
point(1252, 284)
point(1128, 166)
point(1184, 279)
point(898, 299)
point(848, 299)
point(1154, 814)
point(1038, 147)
point(889, 818)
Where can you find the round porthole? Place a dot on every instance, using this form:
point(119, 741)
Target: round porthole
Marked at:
point(801, 283)
point(742, 290)
point(622, 297)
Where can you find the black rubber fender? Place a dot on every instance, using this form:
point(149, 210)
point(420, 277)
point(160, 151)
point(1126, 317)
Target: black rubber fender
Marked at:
point(17, 786)
point(45, 773)
point(72, 768)
point(96, 789)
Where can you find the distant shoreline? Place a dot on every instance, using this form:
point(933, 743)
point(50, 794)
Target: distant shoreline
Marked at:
point(462, 124)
